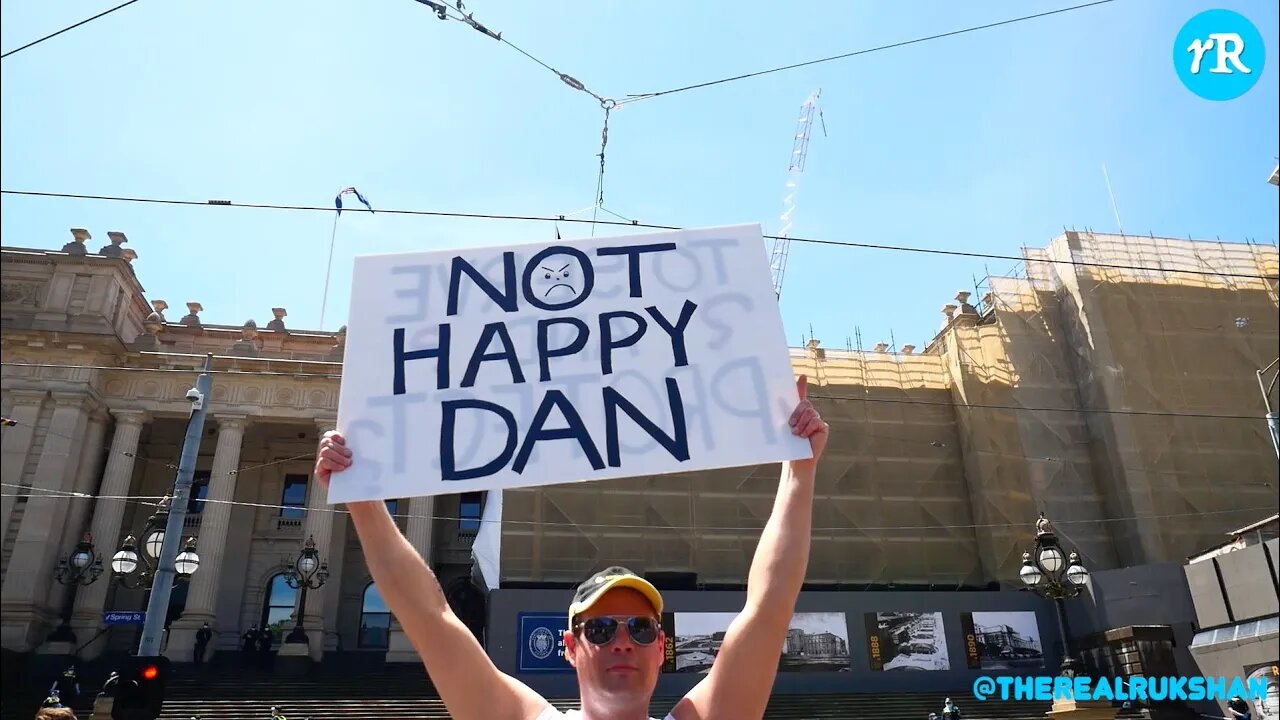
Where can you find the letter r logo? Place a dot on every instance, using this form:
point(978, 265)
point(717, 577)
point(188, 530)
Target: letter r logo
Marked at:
point(1219, 55)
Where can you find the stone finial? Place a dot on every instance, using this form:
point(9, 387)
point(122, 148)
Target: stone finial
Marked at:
point(949, 311)
point(965, 308)
point(114, 249)
point(278, 323)
point(882, 347)
point(152, 326)
point(340, 345)
point(908, 349)
point(76, 246)
point(247, 344)
point(814, 347)
point(129, 255)
point(192, 318)
point(988, 300)
point(160, 307)
point(962, 297)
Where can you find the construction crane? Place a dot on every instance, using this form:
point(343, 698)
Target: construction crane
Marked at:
point(799, 151)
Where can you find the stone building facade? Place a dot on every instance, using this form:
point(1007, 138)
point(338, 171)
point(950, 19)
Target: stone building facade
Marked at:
point(94, 382)
point(1078, 387)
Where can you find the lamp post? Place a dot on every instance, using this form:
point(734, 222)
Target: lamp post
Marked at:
point(307, 573)
point(82, 566)
point(134, 569)
point(1058, 576)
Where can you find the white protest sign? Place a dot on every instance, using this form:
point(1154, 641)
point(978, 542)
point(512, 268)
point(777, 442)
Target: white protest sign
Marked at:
point(487, 368)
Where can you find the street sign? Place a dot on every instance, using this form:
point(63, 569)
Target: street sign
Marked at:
point(124, 617)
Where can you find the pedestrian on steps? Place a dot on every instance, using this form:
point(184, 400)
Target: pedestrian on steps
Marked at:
point(203, 636)
point(248, 642)
point(265, 636)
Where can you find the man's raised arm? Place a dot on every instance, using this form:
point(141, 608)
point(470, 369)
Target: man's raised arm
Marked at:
point(467, 680)
point(742, 676)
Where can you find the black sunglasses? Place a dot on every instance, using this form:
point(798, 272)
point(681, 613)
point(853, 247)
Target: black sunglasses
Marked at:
point(600, 630)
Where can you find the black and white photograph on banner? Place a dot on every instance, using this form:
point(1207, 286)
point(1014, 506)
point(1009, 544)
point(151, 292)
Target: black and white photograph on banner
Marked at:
point(1002, 640)
point(816, 642)
point(1268, 707)
point(907, 641)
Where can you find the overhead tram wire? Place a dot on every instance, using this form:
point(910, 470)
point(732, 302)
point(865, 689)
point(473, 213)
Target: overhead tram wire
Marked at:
point(647, 96)
point(469, 19)
point(632, 223)
point(151, 500)
point(33, 43)
point(847, 398)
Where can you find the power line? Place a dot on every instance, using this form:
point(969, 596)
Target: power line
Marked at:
point(975, 28)
point(69, 27)
point(975, 406)
point(40, 492)
point(632, 223)
point(469, 18)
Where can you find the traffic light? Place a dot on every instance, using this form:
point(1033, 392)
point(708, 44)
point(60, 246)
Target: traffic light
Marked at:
point(139, 691)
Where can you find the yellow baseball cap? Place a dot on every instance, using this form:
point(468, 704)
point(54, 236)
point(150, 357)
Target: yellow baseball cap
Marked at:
point(602, 582)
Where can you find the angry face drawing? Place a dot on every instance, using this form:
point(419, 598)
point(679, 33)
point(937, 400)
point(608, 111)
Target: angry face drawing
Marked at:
point(558, 278)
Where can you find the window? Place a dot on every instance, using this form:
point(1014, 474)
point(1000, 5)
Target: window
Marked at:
point(375, 620)
point(294, 497)
point(199, 492)
point(393, 506)
point(469, 513)
point(277, 609)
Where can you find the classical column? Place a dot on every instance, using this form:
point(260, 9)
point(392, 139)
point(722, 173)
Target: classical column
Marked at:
point(16, 447)
point(319, 525)
point(418, 532)
point(108, 516)
point(215, 521)
point(86, 484)
point(26, 619)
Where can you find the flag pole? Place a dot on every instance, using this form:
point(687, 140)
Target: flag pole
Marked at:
point(324, 304)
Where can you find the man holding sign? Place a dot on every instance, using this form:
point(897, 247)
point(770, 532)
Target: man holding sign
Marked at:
point(614, 642)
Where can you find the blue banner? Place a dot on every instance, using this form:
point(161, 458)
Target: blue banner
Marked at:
point(541, 640)
point(124, 617)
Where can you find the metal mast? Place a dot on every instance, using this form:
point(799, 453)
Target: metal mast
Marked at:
point(799, 151)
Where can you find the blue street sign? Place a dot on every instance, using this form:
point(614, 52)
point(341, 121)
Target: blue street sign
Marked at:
point(124, 617)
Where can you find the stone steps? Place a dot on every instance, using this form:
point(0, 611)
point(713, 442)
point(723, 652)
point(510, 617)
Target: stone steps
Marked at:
point(219, 703)
point(362, 690)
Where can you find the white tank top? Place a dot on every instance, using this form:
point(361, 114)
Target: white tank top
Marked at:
point(551, 713)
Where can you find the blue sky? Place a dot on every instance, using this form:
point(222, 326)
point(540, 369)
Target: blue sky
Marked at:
point(984, 142)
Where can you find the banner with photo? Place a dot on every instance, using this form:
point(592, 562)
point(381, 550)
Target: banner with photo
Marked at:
point(816, 642)
point(1002, 640)
point(898, 641)
point(1267, 708)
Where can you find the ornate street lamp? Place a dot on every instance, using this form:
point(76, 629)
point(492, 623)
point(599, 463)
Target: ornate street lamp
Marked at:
point(135, 569)
point(307, 573)
point(82, 566)
point(1058, 576)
